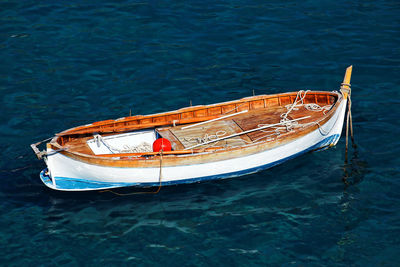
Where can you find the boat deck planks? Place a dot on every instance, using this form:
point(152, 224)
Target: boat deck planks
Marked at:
point(258, 118)
point(213, 130)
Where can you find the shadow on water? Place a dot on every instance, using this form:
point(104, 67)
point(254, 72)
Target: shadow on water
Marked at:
point(355, 169)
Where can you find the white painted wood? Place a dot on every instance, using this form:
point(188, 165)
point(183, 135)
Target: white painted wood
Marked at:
point(121, 141)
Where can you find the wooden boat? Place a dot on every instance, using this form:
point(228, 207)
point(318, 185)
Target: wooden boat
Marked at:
point(208, 142)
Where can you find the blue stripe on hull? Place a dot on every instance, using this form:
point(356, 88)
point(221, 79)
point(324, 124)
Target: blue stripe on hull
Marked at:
point(65, 183)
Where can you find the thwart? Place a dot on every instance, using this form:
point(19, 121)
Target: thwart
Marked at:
point(195, 143)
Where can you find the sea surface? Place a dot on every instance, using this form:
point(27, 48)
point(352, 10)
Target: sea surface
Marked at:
point(67, 63)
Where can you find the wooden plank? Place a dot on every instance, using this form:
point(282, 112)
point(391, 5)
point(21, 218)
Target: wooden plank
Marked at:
point(321, 100)
point(215, 111)
point(217, 119)
point(310, 98)
point(272, 102)
point(228, 109)
point(196, 135)
point(200, 113)
point(254, 119)
point(175, 143)
point(257, 118)
point(112, 129)
point(285, 100)
point(241, 133)
point(257, 104)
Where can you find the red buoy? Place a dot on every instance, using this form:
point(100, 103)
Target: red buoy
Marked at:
point(161, 144)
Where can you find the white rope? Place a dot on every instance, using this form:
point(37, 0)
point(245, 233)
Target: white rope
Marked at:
point(206, 138)
point(316, 107)
point(276, 131)
point(245, 132)
point(299, 102)
point(220, 118)
point(142, 147)
point(290, 124)
point(295, 104)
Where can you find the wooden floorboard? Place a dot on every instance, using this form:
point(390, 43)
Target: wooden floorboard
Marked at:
point(166, 133)
point(210, 131)
point(79, 145)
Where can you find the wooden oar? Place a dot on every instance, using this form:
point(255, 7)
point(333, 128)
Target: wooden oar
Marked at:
point(245, 132)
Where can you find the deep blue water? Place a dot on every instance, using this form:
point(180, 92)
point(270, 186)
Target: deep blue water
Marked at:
point(68, 63)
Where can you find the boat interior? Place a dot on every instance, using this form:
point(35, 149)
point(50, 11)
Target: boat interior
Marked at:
point(200, 128)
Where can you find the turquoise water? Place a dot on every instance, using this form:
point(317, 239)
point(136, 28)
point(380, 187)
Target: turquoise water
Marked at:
point(70, 63)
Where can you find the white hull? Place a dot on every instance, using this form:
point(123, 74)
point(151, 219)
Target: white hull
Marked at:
point(73, 175)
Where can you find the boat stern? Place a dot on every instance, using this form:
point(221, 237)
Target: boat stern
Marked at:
point(46, 178)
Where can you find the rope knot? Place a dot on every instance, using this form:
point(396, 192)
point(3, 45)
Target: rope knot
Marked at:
point(345, 87)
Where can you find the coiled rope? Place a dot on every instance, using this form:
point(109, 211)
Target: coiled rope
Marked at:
point(295, 104)
point(299, 102)
point(142, 147)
